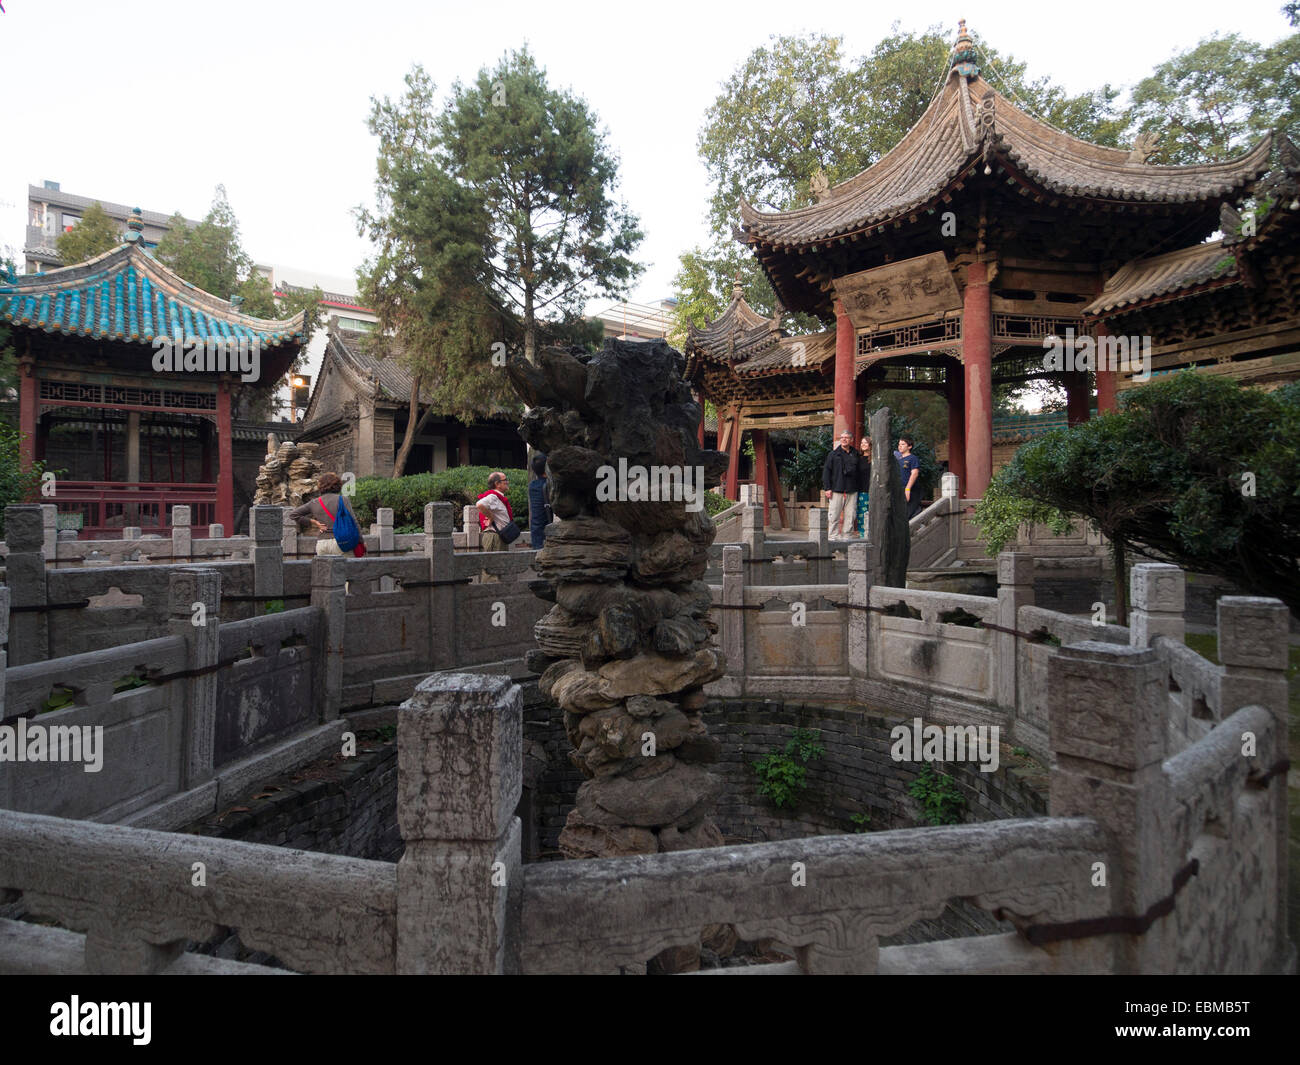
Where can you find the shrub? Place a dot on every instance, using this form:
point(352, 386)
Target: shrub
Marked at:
point(460, 486)
point(780, 777)
point(941, 801)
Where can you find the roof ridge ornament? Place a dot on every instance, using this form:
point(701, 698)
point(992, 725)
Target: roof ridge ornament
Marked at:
point(737, 289)
point(1144, 147)
point(134, 228)
point(820, 185)
point(963, 52)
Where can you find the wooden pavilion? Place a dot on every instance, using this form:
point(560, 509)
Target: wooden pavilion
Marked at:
point(133, 441)
point(950, 263)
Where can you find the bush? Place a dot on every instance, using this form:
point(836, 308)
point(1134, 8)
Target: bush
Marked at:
point(460, 486)
point(780, 777)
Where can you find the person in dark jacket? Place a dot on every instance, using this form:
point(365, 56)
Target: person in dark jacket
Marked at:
point(864, 485)
point(840, 484)
point(538, 511)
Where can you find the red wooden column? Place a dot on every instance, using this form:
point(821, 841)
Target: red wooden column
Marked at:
point(28, 404)
point(761, 467)
point(845, 393)
point(225, 461)
point(733, 452)
point(1078, 397)
point(957, 426)
point(977, 354)
point(1107, 399)
point(699, 398)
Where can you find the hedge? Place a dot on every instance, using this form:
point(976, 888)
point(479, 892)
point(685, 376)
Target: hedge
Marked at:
point(460, 486)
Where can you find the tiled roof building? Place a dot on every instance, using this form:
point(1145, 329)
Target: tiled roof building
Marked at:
point(962, 254)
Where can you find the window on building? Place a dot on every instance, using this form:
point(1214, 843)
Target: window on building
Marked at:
point(70, 220)
point(356, 325)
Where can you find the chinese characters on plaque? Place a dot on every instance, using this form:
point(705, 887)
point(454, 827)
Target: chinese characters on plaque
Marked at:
point(913, 288)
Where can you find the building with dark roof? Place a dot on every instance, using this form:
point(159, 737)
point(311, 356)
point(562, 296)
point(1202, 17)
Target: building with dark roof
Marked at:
point(961, 255)
point(358, 412)
point(129, 380)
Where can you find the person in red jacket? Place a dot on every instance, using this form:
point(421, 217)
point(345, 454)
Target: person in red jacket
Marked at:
point(494, 512)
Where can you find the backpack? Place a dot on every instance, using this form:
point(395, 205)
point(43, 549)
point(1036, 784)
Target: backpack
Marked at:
point(346, 532)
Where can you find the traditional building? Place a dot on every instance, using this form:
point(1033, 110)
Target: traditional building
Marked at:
point(952, 263)
point(359, 408)
point(130, 379)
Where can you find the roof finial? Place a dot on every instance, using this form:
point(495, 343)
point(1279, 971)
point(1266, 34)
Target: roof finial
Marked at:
point(963, 52)
point(737, 289)
point(134, 228)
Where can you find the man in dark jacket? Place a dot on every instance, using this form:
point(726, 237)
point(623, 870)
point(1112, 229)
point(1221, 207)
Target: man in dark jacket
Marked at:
point(840, 484)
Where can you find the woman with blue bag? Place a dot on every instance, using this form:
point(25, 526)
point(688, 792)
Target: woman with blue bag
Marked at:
point(337, 530)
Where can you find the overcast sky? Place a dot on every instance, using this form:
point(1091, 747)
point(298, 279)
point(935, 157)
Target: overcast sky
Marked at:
point(151, 103)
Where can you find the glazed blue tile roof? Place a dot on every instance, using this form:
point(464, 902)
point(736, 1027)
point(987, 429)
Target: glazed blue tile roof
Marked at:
point(127, 294)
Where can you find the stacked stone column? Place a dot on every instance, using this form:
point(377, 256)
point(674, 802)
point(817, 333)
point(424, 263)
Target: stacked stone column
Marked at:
point(624, 651)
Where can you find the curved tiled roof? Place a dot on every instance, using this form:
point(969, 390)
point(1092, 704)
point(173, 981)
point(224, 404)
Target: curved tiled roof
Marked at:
point(754, 346)
point(127, 294)
point(969, 120)
point(1164, 275)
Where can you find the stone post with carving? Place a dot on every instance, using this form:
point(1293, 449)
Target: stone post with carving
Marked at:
point(25, 576)
point(182, 534)
point(194, 614)
point(329, 593)
point(441, 549)
point(266, 525)
point(459, 779)
point(1108, 704)
point(859, 599)
point(1015, 589)
point(1157, 596)
point(818, 534)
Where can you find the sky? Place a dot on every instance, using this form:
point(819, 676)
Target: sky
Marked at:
point(152, 103)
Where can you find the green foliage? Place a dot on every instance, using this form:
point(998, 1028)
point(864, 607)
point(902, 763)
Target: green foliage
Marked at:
point(95, 234)
point(941, 801)
point(460, 486)
point(539, 166)
point(1211, 101)
point(781, 777)
point(1195, 469)
point(209, 255)
point(273, 606)
point(716, 503)
point(1003, 511)
point(862, 821)
point(16, 484)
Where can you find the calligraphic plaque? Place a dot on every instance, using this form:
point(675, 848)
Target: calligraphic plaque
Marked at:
point(914, 288)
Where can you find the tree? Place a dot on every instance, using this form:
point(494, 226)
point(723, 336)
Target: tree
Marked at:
point(1211, 101)
point(542, 172)
point(1195, 470)
point(95, 234)
point(429, 280)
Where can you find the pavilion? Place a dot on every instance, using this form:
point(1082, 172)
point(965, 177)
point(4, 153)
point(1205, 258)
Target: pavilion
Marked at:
point(92, 405)
point(947, 265)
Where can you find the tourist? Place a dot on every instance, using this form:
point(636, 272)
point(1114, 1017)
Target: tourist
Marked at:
point(494, 513)
point(910, 468)
point(840, 484)
point(539, 512)
point(864, 484)
point(322, 512)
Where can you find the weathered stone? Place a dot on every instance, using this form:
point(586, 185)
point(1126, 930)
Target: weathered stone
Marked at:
point(889, 535)
point(671, 558)
point(553, 672)
point(705, 834)
point(655, 674)
point(559, 634)
point(683, 795)
point(680, 636)
point(584, 549)
point(644, 706)
point(579, 839)
point(614, 634)
point(581, 692)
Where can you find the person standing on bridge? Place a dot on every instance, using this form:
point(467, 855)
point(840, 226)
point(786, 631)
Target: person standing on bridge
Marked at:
point(840, 484)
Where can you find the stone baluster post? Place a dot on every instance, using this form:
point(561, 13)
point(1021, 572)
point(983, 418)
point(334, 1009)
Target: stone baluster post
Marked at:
point(459, 779)
point(289, 536)
point(818, 534)
point(441, 549)
point(130, 532)
point(1157, 596)
point(194, 614)
point(29, 639)
point(216, 531)
point(182, 534)
point(859, 598)
point(266, 526)
point(1107, 705)
point(1253, 648)
point(473, 535)
point(4, 644)
point(50, 532)
point(733, 617)
point(751, 528)
point(950, 488)
point(383, 527)
point(329, 592)
point(1015, 589)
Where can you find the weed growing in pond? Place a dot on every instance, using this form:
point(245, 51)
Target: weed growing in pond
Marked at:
point(941, 802)
point(780, 777)
point(862, 821)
